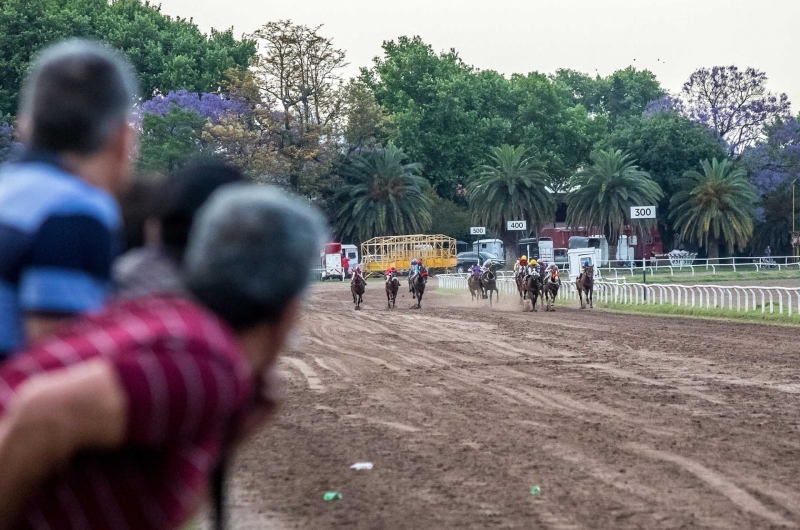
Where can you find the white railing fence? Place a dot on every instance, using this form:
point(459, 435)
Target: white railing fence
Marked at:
point(773, 300)
point(658, 266)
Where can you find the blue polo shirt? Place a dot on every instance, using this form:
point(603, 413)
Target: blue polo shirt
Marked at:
point(58, 238)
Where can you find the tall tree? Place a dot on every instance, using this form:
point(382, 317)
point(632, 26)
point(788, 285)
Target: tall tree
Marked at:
point(602, 194)
point(300, 72)
point(666, 145)
point(774, 222)
point(382, 196)
point(510, 187)
point(627, 93)
point(168, 53)
point(735, 103)
point(715, 206)
point(775, 160)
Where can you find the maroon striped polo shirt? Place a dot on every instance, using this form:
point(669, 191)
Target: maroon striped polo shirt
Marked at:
point(187, 382)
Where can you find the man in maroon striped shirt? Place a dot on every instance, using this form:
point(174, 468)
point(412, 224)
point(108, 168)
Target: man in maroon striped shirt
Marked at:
point(118, 421)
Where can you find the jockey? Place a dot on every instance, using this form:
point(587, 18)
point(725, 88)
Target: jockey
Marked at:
point(411, 273)
point(585, 265)
point(533, 267)
point(422, 270)
point(358, 274)
point(521, 265)
point(476, 270)
point(391, 272)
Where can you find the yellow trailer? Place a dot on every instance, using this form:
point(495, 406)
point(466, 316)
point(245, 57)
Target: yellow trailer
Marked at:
point(437, 251)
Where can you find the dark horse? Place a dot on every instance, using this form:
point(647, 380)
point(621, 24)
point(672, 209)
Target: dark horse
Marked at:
point(585, 284)
point(392, 286)
point(357, 286)
point(550, 290)
point(474, 284)
point(521, 279)
point(418, 288)
point(533, 288)
point(489, 284)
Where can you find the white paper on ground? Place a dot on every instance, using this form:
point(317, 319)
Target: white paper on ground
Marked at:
point(362, 465)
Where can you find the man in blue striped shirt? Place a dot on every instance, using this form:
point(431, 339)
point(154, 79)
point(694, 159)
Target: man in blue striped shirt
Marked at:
point(59, 222)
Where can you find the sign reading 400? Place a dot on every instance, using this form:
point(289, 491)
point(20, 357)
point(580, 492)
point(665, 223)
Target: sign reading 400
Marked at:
point(517, 225)
point(643, 212)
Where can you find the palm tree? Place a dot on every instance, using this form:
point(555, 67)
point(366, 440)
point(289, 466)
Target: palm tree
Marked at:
point(382, 196)
point(601, 195)
point(509, 188)
point(715, 206)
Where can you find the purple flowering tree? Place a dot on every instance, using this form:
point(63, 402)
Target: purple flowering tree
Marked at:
point(211, 106)
point(735, 103)
point(668, 103)
point(775, 160)
point(9, 146)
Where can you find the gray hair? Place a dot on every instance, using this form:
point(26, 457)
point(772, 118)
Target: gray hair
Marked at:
point(77, 94)
point(251, 250)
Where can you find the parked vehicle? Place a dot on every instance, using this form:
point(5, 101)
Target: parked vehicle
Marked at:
point(491, 246)
point(560, 257)
point(467, 260)
point(331, 258)
point(529, 246)
point(351, 253)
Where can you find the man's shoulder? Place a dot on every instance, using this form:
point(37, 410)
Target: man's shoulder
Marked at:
point(30, 193)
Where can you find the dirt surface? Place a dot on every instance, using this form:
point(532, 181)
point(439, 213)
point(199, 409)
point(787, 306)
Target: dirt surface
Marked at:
point(623, 421)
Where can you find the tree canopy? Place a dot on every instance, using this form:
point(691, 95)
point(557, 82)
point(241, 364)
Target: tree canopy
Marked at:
point(167, 53)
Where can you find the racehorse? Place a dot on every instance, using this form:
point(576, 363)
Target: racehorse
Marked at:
point(585, 284)
point(418, 288)
point(550, 289)
point(533, 288)
point(357, 286)
point(392, 286)
point(474, 284)
point(520, 280)
point(489, 284)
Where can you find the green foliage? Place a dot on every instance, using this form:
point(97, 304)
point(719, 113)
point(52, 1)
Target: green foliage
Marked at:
point(509, 188)
point(715, 205)
point(666, 145)
point(774, 229)
point(448, 115)
point(622, 95)
point(167, 53)
point(602, 194)
point(382, 196)
point(450, 219)
point(169, 141)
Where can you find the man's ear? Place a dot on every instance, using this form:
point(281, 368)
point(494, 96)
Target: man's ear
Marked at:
point(23, 129)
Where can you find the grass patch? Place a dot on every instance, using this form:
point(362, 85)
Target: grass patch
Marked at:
point(755, 317)
point(701, 276)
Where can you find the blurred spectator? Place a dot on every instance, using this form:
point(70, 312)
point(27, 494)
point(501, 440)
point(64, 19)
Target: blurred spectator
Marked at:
point(160, 388)
point(155, 267)
point(139, 206)
point(59, 224)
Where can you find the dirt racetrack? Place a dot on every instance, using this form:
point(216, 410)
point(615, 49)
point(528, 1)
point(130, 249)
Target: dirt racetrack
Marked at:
point(623, 421)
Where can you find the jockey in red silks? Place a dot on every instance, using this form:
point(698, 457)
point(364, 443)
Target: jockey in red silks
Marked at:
point(358, 274)
point(422, 270)
point(391, 272)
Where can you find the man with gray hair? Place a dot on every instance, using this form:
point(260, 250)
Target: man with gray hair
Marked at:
point(141, 401)
point(59, 222)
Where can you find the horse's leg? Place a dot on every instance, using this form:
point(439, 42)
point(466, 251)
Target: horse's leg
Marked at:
point(580, 297)
point(591, 297)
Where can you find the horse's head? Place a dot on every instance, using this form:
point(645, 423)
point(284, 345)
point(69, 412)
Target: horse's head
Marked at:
point(589, 272)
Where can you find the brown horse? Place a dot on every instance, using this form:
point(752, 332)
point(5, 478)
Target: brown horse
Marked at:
point(519, 279)
point(550, 290)
point(489, 284)
point(418, 289)
point(392, 286)
point(585, 284)
point(533, 288)
point(357, 286)
point(474, 284)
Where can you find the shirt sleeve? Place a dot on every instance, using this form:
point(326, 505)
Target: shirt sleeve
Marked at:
point(179, 397)
point(69, 265)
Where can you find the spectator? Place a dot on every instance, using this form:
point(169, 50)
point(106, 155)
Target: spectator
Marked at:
point(59, 224)
point(155, 267)
point(160, 388)
point(345, 264)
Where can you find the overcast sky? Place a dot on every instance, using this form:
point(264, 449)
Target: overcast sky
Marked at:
point(672, 38)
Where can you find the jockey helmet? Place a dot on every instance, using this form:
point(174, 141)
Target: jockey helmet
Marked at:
point(586, 263)
point(533, 262)
point(419, 261)
point(524, 257)
point(414, 261)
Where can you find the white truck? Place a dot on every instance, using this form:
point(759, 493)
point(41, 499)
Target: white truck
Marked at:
point(576, 258)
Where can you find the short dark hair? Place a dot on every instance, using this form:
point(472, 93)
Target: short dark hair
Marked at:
point(77, 94)
point(184, 193)
point(251, 251)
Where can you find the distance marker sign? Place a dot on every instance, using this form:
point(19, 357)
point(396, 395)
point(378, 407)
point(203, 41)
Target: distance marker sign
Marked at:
point(643, 212)
point(477, 231)
point(516, 225)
